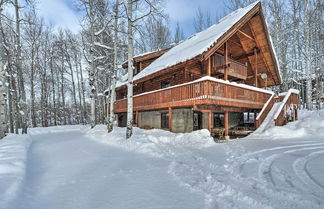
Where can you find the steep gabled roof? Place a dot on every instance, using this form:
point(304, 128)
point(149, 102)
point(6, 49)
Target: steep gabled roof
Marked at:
point(197, 44)
point(201, 43)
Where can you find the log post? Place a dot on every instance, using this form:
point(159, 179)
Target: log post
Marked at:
point(170, 119)
point(225, 61)
point(208, 67)
point(136, 119)
point(256, 67)
point(210, 121)
point(226, 125)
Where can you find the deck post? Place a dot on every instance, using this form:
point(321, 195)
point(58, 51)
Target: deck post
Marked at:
point(208, 67)
point(256, 67)
point(170, 119)
point(210, 121)
point(136, 119)
point(225, 61)
point(226, 125)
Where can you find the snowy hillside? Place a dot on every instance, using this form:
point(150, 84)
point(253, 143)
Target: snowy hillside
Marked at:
point(78, 167)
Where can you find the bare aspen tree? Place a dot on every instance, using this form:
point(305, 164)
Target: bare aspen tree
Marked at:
point(115, 66)
point(3, 99)
point(130, 42)
point(178, 36)
point(22, 93)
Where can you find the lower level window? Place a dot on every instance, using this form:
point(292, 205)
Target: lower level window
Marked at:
point(164, 120)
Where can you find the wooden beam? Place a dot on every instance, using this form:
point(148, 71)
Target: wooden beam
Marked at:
point(236, 43)
point(246, 55)
point(210, 121)
point(246, 35)
point(256, 68)
point(226, 124)
point(136, 119)
point(170, 118)
point(208, 67)
point(225, 61)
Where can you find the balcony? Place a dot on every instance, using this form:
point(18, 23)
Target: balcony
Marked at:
point(234, 69)
point(206, 90)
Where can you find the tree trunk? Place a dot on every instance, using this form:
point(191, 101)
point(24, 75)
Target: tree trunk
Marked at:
point(129, 129)
point(114, 77)
point(3, 127)
point(21, 86)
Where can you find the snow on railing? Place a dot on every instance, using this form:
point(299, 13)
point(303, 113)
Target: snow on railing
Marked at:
point(265, 106)
point(287, 95)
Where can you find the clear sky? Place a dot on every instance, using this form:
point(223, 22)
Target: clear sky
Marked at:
point(62, 13)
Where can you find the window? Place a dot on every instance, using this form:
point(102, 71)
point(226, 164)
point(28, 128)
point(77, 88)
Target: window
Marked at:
point(218, 120)
point(165, 84)
point(164, 120)
point(249, 117)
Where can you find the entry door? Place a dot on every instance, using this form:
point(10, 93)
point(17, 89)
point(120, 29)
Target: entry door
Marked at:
point(197, 120)
point(164, 120)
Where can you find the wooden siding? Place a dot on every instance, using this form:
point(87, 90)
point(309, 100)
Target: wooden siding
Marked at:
point(194, 93)
point(282, 119)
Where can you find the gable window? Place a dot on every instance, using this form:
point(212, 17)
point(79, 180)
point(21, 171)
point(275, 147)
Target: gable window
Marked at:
point(165, 84)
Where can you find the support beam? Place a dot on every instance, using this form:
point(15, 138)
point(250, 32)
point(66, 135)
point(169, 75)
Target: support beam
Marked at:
point(225, 61)
point(210, 121)
point(245, 55)
point(256, 67)
point(136, 119)
point(170, 119)
point(226, 125)
point(246, 35)
point(208, 67)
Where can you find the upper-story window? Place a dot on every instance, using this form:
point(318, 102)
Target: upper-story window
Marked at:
point(165, 84)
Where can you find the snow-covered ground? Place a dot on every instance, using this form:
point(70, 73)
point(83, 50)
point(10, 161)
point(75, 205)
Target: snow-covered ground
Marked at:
point(79, 167)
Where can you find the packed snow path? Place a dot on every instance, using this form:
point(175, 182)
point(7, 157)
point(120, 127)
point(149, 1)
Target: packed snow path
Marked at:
point(75, 167)
point(68, 170)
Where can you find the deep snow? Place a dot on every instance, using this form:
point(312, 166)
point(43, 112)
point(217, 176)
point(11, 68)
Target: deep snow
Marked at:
point(78, 167)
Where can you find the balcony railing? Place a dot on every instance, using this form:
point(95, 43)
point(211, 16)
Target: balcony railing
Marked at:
point(234, 69)
point(206, 90)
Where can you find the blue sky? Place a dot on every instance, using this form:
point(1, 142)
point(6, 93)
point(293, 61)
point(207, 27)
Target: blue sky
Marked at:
point(62, 13)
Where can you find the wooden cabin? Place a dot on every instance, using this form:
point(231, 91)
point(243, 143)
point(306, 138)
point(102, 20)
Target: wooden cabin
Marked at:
point(215, 80)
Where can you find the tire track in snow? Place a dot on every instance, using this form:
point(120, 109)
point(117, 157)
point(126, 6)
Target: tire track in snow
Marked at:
point(265, 175)
point(300, 168)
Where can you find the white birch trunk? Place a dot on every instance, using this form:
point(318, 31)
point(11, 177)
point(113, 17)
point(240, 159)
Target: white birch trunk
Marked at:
point(114, 77)
point(308, 57)
point(91, 67)
point(3, 126)
point(21, 86)
point(129, 130)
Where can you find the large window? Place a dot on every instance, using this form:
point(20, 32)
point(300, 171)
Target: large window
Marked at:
point(165, 84)
point(164, 120)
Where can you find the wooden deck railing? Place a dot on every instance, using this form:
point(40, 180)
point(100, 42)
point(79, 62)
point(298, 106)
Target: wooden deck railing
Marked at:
point(235, 69)
point(289, 103)
point(264, 112)
point(202, 91)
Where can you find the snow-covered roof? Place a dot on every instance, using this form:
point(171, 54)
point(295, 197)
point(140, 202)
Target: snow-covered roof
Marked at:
point(195, 45)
